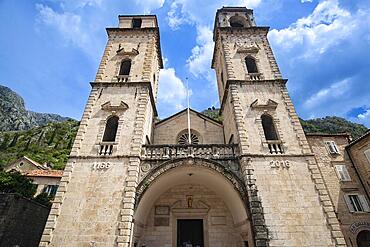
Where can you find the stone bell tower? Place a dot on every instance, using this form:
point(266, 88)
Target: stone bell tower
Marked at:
point(288, 201)
point(95, 201)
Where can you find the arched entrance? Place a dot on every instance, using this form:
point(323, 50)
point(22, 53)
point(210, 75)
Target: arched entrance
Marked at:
point(363, 238)
point(191, 205)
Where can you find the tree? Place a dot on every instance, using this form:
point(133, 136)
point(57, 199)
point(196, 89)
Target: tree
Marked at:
point(15, 182)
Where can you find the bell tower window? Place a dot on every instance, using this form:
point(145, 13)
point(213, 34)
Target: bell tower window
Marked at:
point(269, 128)
point(238, 21)
point(111, 129)
point(136, 23)
point(250, 62)
point(125, 67)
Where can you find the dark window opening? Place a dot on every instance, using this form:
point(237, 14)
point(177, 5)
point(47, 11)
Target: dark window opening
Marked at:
point(238, 21)
point(251, 65)
point(222, 78)
point(236, 24)
point(136, 23)
point(363, 238)
point(125, 67)
point(269, 127)
point(111, 129)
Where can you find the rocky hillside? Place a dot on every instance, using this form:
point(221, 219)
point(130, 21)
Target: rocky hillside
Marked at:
point(14, 116)
point(50, 143)
point(327, 125)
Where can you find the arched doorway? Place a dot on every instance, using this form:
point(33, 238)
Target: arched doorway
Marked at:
point(194, 206)
point(363, 238)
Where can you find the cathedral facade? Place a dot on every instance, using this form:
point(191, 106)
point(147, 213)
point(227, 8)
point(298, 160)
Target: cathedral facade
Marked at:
point(250, 180)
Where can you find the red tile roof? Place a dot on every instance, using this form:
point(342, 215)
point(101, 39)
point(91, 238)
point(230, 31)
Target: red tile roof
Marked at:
point(44, 173)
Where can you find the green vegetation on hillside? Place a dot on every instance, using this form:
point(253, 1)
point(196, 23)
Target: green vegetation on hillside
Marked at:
point(51, 143)
point(333, 125)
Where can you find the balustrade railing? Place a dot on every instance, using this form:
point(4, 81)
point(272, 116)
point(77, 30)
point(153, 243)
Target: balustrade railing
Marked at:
point(207, 151)
point(122, 78)
point(255, 76)
point(106, 148)
point(275, 147)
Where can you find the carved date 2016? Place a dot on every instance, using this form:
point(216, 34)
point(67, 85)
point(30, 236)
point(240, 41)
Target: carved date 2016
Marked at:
point(280, 164)
point(101, 166)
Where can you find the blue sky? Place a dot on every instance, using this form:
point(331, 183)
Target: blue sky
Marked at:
point(50, 51)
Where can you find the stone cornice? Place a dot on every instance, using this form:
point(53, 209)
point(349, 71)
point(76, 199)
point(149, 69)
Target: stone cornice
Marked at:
point(134, 83)
point(249, 82)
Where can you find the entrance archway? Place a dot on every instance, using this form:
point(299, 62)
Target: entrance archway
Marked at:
point(363, 238)
point(195, 192)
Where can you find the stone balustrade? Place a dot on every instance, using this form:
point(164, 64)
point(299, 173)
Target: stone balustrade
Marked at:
point(106, 148)
point(255, 76)
point(275, 147)
point(206, 151)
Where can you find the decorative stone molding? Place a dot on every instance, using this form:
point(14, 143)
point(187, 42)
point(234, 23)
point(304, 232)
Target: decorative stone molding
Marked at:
point(107, 106)
point(244, 47)
point(160, 169)
point(132, 53)
point(270, 105)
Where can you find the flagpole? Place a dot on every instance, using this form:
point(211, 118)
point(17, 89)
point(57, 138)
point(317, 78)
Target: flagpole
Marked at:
point(188, 110)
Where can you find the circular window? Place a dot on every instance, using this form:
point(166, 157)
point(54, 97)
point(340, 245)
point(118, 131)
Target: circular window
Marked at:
point(184, 139)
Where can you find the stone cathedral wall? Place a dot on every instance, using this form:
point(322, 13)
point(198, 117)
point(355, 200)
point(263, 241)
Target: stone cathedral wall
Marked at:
point(219, 227)
point(92, 204)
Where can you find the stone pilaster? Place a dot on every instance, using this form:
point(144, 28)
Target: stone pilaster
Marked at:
point(326, 203)
point(126, 226)
point(47, 235)
point(260, 230)
point(295, 121)
point(104, 61)
point(94, 95)
point(239, 118)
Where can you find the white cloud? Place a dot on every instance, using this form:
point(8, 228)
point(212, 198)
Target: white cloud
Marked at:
point(201, 14)
point(327, 94)
point(68, 24)
point(326, 26)
point(306, 1)
point(172, 91)
point(199, 63)
point(149, 5)
point(364, 115)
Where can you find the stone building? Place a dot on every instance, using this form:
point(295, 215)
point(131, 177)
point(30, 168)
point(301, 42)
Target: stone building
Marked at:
point(250, 180)
point(46, 179)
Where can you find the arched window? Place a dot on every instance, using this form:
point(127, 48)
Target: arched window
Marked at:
point(251, 65)
point(183, 139)
point(363, 238)
point(111, 129)
point(269, 127)
point(238, 21)
point(125, 67)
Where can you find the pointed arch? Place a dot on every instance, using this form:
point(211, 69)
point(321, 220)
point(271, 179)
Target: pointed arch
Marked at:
point(110, 131)
point(250, 62)
point(125, 67)
point(269, 127)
